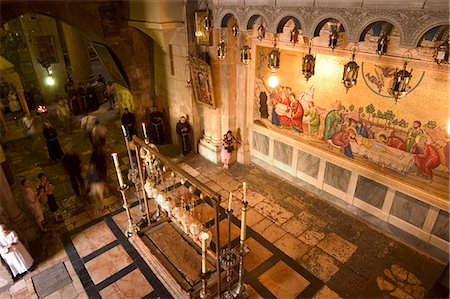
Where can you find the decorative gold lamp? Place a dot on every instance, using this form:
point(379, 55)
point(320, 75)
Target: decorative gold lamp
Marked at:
point(222, 49)
point(274, 64)
point(382, 44)
point(333, 39)
point(400, 83)
point(442, 53)
point(351, 69)
point(261, 32)
point(246, 55)
point(295, 33)
point(234, 29)
point(308, 64)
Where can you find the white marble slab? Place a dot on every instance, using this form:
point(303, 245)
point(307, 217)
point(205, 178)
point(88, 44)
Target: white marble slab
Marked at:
point(282, 153)
point(371, 192)
point(308, 164)
point(409, 209)
point(260, 143)
point(337, 177)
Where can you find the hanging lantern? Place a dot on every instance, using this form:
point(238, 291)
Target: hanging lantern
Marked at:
point(294, 35)
point(332, 41)
point(246, 55)
point(261, 32)
point(400, 83)
point(442, 53)
point(207, 19)
point(222, 50)
point(308, 65)
point(382, 44)
point(274, 59)
point(351, 69)
point(234, 30)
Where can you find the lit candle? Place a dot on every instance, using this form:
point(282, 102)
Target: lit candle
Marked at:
point(243, 223)
point(229, 201)
point(144, 130)
point(203, 237)
point(245, 191)
point(116, 166)
point(124, 131)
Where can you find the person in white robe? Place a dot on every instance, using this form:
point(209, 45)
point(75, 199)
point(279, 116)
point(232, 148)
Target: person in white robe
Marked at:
point(14, 253)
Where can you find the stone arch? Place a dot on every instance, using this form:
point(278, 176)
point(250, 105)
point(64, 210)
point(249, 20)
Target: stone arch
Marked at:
point(418, 34)
point(225, 18)
point(365, 27)
point(252, 17)
point(318, 23)
point(283, 19)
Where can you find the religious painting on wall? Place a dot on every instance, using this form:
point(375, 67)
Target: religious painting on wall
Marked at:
point(46, 50)
point(202, 82)
point(202, 34)
point(404, 137)
point(108, 19)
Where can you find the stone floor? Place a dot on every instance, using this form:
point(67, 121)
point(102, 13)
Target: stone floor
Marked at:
point(300, 245)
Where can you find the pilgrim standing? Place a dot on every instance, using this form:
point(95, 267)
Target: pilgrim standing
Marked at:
point(46, 188)
point(54, 149)
point(129, 122)
point(33, 202)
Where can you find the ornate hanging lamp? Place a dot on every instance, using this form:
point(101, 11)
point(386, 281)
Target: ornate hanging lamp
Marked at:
point(400, 83)
point(222, 48)
point(234, 29)
point(351, 69)
point(308, 63)
point(382, 44)
point(207, 19)
point(261, 32)
point(246, 55)
point(274, 57)
point(333, 39)
point(295, 33)
point(442, 53)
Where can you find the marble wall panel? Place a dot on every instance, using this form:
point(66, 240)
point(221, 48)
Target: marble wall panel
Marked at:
point(308, 164)
point(260, 143)
point(282, 153)
point(337, 177)
point(409, 209)
point(370, 192)
point(440, 228)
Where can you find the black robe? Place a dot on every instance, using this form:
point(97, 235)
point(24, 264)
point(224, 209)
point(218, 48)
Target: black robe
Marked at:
point(157, 134)
point(185, 143)
point(129, 121)
point(54, 149)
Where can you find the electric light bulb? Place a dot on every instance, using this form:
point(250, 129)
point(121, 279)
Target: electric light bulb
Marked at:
point(50, 81)
point(273, 81)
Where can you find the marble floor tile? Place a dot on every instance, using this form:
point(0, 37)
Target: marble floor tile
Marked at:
point(256, 256)
point(312, 237)
point(262, 225)
point(68, 292)
point(292, 246)
point(337, 247)
point(274, 211)
point(253, 217)
point(254, 198)
point(121, 219)
point(92, 238)
point(320, 264)
point(252, 294)
point(273, 233)
point(204, 213)
point(132, 285)
point(108, 263)
point(296, 226)
point(223, 229)
point(326, 293)
point(282, 281)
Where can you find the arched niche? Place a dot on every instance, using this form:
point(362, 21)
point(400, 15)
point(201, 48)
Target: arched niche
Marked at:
point(253, 19)
point(375, 29)
point(226, 19)
point(326, 21)
point(435, 34)
point(286, 19)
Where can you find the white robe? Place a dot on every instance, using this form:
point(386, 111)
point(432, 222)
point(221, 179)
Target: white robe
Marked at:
point(17, 256)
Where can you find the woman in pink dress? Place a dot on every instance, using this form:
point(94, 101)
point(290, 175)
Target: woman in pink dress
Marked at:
point(228, 146)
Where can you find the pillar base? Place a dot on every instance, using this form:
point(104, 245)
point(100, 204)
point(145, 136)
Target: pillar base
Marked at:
point(209, 150)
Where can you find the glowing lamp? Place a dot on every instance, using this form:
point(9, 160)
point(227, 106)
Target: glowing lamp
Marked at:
point(442, 53)
point(333, 39)
point(350, 74)
point(261, 32)
point(308, 64)
point(400, 83)
point(246, 55)
point(222, 50)
point(273, 81)
point(49, 80)
point(382, 44)
point(234, 29)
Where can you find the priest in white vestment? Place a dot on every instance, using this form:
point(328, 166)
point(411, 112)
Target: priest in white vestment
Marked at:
point(14, 253)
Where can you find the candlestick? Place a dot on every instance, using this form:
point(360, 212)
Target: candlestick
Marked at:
point(144, 130)
point(245, 191)
point(203, 253)
point(116, 166)
point(243, 222)
point(229, 201)
point(124, 131)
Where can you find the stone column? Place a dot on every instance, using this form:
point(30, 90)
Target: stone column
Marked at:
point(78, 54)
point(211, 143)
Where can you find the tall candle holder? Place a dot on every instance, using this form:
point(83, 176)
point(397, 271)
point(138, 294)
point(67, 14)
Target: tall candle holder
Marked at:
point(145, 218)
point(229, 259)
point(132, 229)
point(241, 289)
point(204, 292)
point(133, 172)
